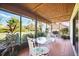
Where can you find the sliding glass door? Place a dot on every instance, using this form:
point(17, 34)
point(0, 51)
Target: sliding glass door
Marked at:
point(27, 29)
point(9, 32)
point(76, 33)
point(14, 30)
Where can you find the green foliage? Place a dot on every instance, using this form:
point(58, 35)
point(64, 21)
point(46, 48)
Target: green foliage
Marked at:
point(55, 32)
point(46, 30)
point(41, 34)
point(13, 23)
point(24, 38)
point(64, 31)
point(31, 35)
point(76, 31)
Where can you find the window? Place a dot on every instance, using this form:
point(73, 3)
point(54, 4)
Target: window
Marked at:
point(9, 23)
point(41, 29)
point(14, 29)
point(76, 33)
point(27, 29)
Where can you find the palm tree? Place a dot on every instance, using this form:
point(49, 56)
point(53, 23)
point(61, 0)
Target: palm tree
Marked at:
point(13, 23)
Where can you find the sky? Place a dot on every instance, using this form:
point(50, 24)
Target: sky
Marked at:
point(5, 16)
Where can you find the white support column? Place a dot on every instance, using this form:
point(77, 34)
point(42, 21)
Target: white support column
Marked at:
point(71, 26)
point(51, 27)
point(78, 31)
point(71, 21)
point(71, 31)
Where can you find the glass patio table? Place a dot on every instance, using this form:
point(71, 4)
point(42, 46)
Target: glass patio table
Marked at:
point(45, 40)
point(40, 51)
point(41, 40)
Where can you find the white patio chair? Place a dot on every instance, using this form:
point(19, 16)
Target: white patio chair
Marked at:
point(30, 43)
point(31, 49)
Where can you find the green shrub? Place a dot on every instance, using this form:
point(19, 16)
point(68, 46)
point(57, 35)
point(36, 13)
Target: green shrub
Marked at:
point(55, 32)
point(30, 35)
point(64, 31)
point(41, 34)
point(24, 38)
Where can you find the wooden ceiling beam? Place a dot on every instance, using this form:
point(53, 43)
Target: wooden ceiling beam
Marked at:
point(36, 7)
point(59, 20)
point(60, 16)
point(16, 10)
point(40, 18)
point(19, 11)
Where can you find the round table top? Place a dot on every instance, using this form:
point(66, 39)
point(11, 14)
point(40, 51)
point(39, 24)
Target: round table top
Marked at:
point(44, 40)
point(41, 40)
point(40, 50)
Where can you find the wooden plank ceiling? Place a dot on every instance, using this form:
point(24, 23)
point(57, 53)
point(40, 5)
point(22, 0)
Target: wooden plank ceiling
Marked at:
point(53, 12)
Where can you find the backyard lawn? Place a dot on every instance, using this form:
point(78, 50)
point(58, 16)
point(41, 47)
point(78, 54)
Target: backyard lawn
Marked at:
point(2, 36)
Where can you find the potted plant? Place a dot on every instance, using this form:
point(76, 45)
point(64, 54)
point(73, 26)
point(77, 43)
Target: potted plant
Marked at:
point(64, 33)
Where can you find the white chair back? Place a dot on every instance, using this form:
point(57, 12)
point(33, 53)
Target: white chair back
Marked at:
point(30, 43)
point(32, 50)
